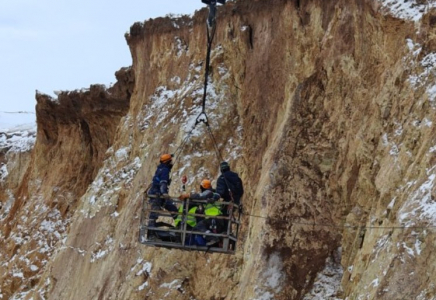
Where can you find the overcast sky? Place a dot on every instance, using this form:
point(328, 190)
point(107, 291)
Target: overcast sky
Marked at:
point(51, 45)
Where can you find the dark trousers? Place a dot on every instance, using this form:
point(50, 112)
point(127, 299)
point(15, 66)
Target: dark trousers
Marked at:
point(214, 225)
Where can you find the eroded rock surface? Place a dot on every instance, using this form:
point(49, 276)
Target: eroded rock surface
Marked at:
point(325, 108)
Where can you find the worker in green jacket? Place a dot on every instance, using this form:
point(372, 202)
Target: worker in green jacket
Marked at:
point(211, 209)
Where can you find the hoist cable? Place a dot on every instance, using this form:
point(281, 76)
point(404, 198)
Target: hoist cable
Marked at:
point(210, 36)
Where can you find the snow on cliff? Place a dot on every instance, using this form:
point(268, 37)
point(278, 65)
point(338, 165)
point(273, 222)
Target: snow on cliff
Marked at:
point(17, 131)
point(408, 10)
point(17, 134)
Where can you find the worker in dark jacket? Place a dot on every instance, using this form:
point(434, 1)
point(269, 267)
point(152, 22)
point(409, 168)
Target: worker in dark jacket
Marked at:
point(229, 185)
point(159, 189)
point(207, 193)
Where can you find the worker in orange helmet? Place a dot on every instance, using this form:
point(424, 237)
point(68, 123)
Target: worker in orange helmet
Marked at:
point(211, 209)
point(159, 189)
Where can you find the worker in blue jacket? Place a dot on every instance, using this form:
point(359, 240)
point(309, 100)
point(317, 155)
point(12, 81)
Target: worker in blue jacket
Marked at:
point(159, 189)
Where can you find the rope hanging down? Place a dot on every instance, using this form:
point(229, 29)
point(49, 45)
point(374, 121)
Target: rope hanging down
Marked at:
point(202, 117)
point(210, 36)
point(210, 28)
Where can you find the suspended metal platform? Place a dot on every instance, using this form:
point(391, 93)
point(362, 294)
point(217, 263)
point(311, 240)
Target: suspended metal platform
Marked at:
point(165, 235)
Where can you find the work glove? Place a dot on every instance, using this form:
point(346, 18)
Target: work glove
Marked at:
point(183, 196)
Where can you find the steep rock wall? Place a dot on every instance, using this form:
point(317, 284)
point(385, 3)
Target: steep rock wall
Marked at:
point(73, 135)
point(326, 111)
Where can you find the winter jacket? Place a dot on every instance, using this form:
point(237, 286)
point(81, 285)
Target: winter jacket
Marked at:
point(205, 195)
point(230, 180)
point(161, 180)
point(210, 209)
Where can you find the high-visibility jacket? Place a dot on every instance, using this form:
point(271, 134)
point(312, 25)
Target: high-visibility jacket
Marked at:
point(190, 219)
point(213, 209)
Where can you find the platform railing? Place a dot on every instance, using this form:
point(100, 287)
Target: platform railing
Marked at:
point(177, 237)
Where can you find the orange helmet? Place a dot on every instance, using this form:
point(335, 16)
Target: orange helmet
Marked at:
point(165, 158)
point(206, 184)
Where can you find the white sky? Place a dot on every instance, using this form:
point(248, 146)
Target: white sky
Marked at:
point(51, 45)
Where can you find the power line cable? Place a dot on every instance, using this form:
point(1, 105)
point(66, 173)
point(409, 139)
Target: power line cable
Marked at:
point(363, 226)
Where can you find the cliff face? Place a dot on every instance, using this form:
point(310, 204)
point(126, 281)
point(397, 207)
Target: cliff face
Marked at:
point(325, 109)
point(40, 190)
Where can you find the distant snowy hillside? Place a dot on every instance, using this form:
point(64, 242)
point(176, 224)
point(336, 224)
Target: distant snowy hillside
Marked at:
point(14, 121)
point(17, 131)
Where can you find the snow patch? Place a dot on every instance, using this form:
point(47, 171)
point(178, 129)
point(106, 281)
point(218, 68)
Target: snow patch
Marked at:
point(3, 172)
point(181, 48)
point(117, 172)
point(98, 255)
point(272, 278)
point(412, 10)
point(18, 141)
point(394, 148)
point(143, 286)
point(18, 275)
point(382, 243)
point(328, 281)
point(375, 282)
point(172, 285)
point(17, 131)
point(34, 268)
point(420, 206)
point(122, 153)
point(427, 67)
point(146, 268)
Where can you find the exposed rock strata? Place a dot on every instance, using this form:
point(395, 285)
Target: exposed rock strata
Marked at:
point(326, 110)
point(73, 135)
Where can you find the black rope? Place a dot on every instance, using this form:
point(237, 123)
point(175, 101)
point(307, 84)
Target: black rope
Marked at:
point(202, 117)
point(210, 36)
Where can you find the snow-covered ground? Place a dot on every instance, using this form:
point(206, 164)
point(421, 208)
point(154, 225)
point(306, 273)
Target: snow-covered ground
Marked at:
point(17, 131)
point(17, 134)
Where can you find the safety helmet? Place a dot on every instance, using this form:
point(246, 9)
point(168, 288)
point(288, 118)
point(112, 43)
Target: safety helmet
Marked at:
point(206, 184)
point(165, 158)
point(224, 166)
